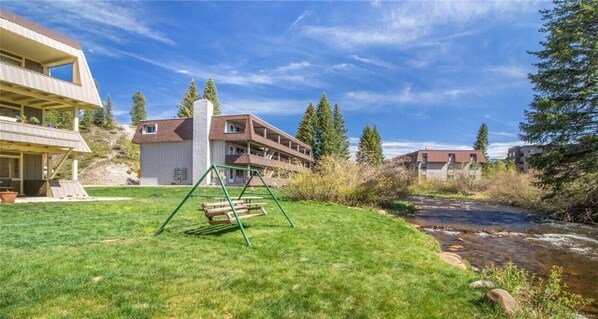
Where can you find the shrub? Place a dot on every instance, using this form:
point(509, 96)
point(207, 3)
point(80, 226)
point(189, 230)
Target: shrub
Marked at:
point(539, 299)
point(348, 183)
point(514, 188)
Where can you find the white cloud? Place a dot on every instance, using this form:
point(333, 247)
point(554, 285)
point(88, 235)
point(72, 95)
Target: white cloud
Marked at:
point(304, 15)
point(183, 71)
point(96, 19)
point(510, 71)
point(373, 61)
point(361, 99)
point(264, 106)
point(411, 23)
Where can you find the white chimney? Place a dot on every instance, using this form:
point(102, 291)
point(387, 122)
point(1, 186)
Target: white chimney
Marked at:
point(202, 120)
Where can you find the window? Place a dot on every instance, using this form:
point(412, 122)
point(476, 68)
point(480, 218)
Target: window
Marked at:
point(473, 158)
point(451, 158)
point(231, 128)
point(9, 111)
point(10, 58)
point(9, 167)
point(239, 173)
point(239, 150)
point(150, 129)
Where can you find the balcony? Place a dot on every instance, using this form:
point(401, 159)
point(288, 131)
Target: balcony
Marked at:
point(20, 137)
point(44, 91)
point(254, 160)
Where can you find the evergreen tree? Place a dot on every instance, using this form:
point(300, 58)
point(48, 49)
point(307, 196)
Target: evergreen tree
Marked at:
point(186, 105)
point(377, 151)
point(307, 128)
point(109, 122)
point(85, 119)
point(564, 111)
point(369, 150)
point(342, 140)
point(138, 111)
point(481, 141)
point(59, 119)
point(325, 133)
point(211, 93)
point(99, 117)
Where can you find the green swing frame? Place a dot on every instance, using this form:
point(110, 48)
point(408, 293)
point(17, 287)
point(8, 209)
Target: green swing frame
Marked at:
point(214, 168)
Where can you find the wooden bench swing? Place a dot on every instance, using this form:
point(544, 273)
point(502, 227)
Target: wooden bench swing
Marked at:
point(229, 211)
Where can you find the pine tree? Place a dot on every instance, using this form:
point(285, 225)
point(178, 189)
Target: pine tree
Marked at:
point(99, 117)
point(377, 151)
point(564, 111)
point(186, 105)
point(109, 122)
point(369, 150)
point(481, 141)
point(307, 128)
point(138, 111)
point(211, 93)
point(85, 119)
point(362, 154)
point(59, 119)
point(342, 140)
point(325, 133)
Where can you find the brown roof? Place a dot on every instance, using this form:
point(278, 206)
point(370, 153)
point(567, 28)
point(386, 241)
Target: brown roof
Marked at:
point(441, 156)
point(172, 130)
point(7, 15)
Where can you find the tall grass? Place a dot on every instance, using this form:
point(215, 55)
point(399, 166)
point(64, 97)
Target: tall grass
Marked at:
point(539, 299)
point(349, 183)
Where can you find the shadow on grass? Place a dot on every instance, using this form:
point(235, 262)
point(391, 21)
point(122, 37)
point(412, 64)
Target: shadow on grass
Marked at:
point(212, 230)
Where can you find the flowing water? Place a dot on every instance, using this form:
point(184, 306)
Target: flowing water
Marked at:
point(495, 234)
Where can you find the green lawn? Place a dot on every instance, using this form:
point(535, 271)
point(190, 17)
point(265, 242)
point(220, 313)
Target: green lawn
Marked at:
point(98, 260)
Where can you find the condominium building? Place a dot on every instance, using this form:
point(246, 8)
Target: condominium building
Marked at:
point(445, 164)
point(179, 151)
point(40, 71)
point(520, 155)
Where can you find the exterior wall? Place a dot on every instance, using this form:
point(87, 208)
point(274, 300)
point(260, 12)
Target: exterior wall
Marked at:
point(442, 171)
point(218, 152)
point(202, 119)
point(158, 161)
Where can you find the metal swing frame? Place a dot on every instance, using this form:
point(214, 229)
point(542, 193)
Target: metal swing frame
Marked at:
point(214, 168)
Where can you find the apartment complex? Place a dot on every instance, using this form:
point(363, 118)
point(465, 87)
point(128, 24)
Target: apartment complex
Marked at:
point(179, 151)
point(445, 164)
point(520, 155)
point(40, 71)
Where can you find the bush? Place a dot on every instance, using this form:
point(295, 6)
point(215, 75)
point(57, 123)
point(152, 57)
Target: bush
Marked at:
point(539, 299)
point(348, 183)
point(513, 188)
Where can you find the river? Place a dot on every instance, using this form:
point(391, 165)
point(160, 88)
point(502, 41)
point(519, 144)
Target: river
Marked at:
point(495, 234)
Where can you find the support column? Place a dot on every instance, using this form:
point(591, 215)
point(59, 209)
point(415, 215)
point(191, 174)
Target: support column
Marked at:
point(75, 165)
point(21, 175)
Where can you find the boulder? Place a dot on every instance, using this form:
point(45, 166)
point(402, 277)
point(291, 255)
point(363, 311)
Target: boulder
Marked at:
point(504, 299)
point(455, 247)
point(452, 259)
point(482, 284)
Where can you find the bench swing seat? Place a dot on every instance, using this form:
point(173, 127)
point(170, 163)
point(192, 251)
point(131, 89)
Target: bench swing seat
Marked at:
point(221, 212)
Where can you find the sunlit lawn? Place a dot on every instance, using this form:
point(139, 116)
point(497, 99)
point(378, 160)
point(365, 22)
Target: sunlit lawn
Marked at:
point(99, 260)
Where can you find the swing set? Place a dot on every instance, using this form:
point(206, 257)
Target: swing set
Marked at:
point(230, 210)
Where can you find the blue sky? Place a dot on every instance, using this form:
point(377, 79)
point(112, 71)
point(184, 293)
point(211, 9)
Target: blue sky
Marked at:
point(426, 73)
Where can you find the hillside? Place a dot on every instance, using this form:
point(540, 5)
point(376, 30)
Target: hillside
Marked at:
point(114, 161)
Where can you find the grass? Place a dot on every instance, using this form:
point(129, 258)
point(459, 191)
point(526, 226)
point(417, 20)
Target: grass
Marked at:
point(98, 260)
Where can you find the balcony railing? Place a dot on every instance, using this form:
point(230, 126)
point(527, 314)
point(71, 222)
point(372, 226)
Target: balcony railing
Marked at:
point(246, 159)
point(22, 77)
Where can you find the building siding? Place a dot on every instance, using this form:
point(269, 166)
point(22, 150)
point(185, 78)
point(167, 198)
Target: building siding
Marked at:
point(159, 160)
